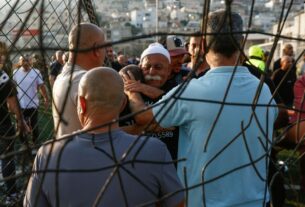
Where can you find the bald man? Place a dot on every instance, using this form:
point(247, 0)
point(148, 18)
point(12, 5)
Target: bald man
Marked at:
point(96, 152)
point(286, 86)
point(85, 53)
point(287, 51)
point(56, 66)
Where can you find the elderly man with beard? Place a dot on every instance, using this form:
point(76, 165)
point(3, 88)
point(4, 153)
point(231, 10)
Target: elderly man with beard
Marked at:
point(155, 66)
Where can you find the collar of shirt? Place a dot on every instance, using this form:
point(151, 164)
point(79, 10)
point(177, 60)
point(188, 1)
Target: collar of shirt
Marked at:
point(101, 136)
point(68, 67)
point(228, 69)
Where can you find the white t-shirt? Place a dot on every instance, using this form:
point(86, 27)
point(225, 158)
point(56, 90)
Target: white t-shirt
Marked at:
point(28, 82)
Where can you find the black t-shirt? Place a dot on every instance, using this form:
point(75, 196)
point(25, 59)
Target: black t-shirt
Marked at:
point(286, 88)
point(169, 137)
point(7, 89)
point(56, 68)
point(257, 73)
point(116, 65)
point(277, 65)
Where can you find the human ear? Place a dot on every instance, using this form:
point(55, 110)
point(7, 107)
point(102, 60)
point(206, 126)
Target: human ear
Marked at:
point(82, 103)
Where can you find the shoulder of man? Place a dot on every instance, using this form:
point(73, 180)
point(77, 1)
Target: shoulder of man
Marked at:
point(153, 147)
point(55, 144)
point(54, 64)
point(279, 73)
point(150, 147)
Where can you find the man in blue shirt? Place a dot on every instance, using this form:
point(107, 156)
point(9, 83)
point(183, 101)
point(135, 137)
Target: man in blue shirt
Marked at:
point(225, 121)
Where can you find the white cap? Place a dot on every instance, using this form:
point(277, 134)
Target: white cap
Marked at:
point(155, 48)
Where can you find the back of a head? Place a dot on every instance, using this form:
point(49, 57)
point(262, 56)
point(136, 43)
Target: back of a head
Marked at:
point(135, 70)
point(102, 88)
point(84, 36)
point(226, 28)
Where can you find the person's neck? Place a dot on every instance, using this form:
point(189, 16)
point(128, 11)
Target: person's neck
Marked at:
point(81, 62)
point(203, 67)
point(26, 69)
point(99, 127)
point(100, 123)
point(217, 60)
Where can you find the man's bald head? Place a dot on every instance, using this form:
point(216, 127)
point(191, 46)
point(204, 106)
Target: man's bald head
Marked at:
point(103, 89)
point(86, 39)
point(84, 35)
point(288, 50)
point(58, 56)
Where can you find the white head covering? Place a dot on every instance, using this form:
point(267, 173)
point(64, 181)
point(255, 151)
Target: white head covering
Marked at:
point(155, 48)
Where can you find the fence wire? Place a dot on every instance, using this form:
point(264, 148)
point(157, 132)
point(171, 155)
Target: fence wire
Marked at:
point(37, 29)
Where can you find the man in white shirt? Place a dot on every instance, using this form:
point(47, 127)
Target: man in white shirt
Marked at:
point(29, 81)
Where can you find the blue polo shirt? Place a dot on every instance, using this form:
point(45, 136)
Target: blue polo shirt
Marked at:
point(218, 156)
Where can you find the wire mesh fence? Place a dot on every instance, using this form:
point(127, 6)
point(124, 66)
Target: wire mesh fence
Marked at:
point(32, 31)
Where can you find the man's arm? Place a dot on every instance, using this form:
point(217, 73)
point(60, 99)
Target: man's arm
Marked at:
point(144, 118)
point(13, 106)
point(51, 80)
point(149, 91)
point(44, 94)
point(145, 115)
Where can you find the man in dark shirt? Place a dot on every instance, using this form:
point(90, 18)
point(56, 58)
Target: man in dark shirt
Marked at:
point(284, 79)
point(119, 63)
point(9, 101)
point(287, 51)
point(56, 67)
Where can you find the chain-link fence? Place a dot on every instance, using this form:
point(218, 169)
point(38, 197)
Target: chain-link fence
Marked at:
point(32, 31)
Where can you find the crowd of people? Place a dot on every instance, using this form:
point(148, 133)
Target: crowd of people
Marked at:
point(183, 125)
